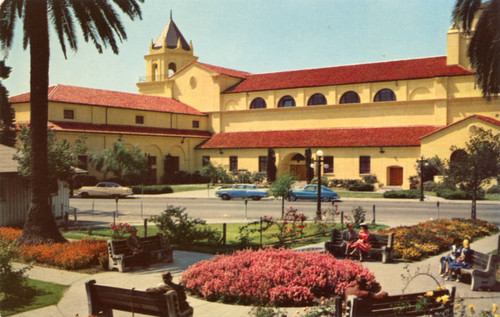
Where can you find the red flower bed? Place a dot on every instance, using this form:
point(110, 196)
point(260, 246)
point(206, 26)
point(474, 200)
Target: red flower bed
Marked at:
point(272, 276)
point(73, 255)
point(9, 234)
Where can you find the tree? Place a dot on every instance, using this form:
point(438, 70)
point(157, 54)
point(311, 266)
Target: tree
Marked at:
point(130, 167)
point(215, 173)
point(281, 187)
point(7, 127)
point(477, 163)
point(271, 165)
point(309, 169)
point(99, 23)
point(62, 156)
point(484, 47)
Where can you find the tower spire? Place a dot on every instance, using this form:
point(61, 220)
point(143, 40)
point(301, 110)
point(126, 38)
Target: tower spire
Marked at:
point(170, 14)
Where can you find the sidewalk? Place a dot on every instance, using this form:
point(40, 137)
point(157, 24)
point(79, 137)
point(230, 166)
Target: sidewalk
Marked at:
point(389, 275)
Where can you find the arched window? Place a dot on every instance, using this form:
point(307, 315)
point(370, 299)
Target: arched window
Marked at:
point(155, 72)
point(286, 101)
point(258, 103)
point(172, 68)
point(457, 156)
point(385, 95)
point(316, 99)
point(349, 97)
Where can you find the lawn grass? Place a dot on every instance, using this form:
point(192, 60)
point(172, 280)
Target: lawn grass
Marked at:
point(191, 187)
point(47, 294)
point(343, 193)
point(232, 236)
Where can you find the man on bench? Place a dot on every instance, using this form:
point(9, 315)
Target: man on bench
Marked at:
point(140, 256)
point(170, 285)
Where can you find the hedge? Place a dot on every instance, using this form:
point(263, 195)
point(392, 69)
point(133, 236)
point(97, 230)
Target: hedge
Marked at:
point(412, 193)
point(152, 189)
point(457, 194)
point(361, 187)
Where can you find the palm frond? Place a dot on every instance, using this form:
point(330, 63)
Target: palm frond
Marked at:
point(464, 12)
point(86, 24)
point(130, 7)
point(63, 24)
point(484, 50)
point(8, 11)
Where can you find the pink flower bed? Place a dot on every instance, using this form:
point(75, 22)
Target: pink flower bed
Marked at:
point(272, 276)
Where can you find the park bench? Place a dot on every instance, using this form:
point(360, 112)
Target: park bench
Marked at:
point(102, 300)
point(482, 272)
point(120, 255)
point(380, 244)
point(415, 304)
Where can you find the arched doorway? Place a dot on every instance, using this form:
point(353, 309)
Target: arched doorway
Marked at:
point(298, 166)
point(394, 175)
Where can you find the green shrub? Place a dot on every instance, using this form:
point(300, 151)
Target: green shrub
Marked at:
point(494, 190)
point(343, 182)
point(152, 189)
point(361, 187)
point(370, 179)
point(458, 194)
point(258, 177)
point(429, 186)
point(13, 284)
point(411, 193)
point(178, 228)
point(324, 181)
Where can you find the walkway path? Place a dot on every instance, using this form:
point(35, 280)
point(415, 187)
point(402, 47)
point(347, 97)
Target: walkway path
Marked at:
point(389, 275)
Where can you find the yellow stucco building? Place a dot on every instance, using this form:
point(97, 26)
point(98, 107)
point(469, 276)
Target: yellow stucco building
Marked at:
point(376, 118)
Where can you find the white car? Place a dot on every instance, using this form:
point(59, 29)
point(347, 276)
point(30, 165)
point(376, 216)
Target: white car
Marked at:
point(105, 189)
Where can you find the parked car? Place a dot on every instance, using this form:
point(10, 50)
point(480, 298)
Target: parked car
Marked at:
point(242, 191)
point(105, 189)
point(311, 192)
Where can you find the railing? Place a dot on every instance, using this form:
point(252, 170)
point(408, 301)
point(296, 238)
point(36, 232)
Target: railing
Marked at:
point(143, 79)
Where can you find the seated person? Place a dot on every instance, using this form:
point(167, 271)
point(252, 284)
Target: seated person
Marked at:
point(364, 289)
point(348, 237)
point(134, 244)
point(455, 251)
point(361, 246)
point(168, 285)
point(464, 261)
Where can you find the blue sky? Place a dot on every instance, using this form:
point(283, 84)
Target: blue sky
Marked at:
point(257, 36)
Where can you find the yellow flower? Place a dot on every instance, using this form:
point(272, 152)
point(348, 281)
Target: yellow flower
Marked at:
point(458, 305)
point(471, 307)
point(429, 293)
point(439, 299)
point(445, 298)
point(495, 308)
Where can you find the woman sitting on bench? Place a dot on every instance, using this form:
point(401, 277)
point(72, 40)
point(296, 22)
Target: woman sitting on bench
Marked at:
point(464, 261)
point(361, 246)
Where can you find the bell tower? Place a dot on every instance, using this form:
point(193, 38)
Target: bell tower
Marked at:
point(168, 54)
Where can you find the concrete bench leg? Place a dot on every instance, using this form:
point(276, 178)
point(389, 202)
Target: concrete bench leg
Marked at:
point(479, 280)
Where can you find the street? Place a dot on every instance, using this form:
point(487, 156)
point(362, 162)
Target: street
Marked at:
point(390, 212)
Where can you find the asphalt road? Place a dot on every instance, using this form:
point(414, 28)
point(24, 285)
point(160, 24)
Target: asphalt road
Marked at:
point(390, 212)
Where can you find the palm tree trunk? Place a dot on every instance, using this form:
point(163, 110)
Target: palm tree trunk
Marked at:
point(40, 226)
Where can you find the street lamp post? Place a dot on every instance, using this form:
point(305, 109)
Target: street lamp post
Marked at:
point(422, 163)
point(318, 161)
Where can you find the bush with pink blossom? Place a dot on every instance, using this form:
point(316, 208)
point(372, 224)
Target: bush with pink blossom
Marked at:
point(277, 277)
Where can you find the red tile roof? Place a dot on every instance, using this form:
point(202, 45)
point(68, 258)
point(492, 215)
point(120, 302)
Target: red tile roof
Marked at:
point(484, 118)
point(125, 129)
point(218, 70)
point(107, 98)
point(347, 137)
point(363, 73)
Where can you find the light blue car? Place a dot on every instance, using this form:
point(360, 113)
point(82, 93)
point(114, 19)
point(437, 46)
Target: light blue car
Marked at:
point(242, 191)
point(311, 192)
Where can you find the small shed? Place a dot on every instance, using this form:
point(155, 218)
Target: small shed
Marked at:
point(15, 193)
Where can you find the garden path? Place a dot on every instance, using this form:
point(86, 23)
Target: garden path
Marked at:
point(389, 275)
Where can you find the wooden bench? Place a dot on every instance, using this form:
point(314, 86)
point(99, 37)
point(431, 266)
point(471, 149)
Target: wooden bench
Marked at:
point(380, 244)
point(415, 304)
point(102, 300)
point(120, 254)
point(483, 270)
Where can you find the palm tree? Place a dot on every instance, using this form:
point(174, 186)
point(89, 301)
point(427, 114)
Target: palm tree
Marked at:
point(484, 47)
point(99, 23)
point(8, 132)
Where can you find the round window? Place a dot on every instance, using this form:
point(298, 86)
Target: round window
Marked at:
point(192, 82)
